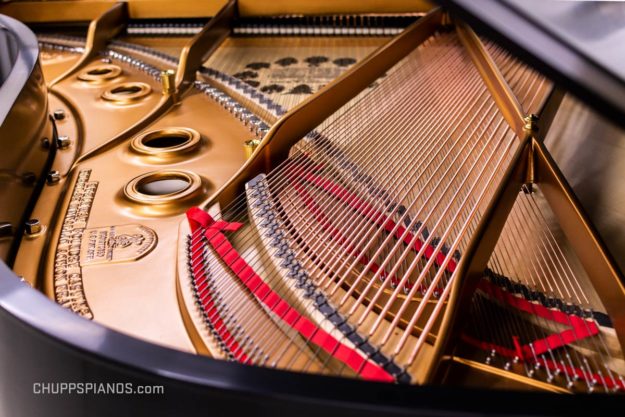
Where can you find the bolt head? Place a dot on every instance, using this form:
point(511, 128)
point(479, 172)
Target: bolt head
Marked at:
point(59, 114)
point(6, 229)
point(33, 226)
point(53, 177)
point(29, 178)
point(63, 142)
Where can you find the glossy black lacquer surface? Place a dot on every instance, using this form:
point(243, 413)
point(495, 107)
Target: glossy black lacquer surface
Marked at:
point(41, 342)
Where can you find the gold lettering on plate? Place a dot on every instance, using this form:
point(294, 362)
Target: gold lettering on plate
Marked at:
point(68, 287)
point(116, 244)
point(80, 247)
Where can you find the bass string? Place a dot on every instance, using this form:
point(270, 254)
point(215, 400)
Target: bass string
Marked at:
point(532, 272)
point(554, 250)
point(254, 354)
point(520, 231)
point(239, 203)
point(502, 160)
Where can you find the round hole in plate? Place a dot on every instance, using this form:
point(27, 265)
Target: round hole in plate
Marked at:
point(100, 73)
point(162, 187)
point(166, 142)
point(127, 92)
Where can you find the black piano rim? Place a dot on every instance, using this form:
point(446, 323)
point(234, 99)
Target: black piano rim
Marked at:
point(32, 325)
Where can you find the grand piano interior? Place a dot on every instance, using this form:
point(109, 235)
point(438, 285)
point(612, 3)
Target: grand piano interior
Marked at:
point(343, 207)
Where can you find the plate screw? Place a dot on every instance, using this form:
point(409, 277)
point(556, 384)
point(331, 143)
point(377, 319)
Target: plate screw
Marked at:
point(53, 177)
point(32, 227)
point(63, 142)
point(29, 178)
point(6, 229)
point(59, 114)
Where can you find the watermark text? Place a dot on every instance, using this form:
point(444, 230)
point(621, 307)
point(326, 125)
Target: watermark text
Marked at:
point(96, 388)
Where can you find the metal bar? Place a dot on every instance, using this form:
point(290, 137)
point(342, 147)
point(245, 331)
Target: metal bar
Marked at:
point(475, 374)
point(309, 114)
point(101, 31)
point(472, 265)
point(494, 80)
point(320, 7)
point(191, 58)
point(87, 10)
point(166, 102)
point(538, 46)
point(547, 112)
point(603, 272)
point(197, 51)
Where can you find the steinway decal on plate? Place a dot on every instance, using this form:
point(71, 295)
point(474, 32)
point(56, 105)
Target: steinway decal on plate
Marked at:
point(79, 247)
point(116, 244)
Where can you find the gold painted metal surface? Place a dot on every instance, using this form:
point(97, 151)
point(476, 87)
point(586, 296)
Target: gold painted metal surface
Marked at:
point(498, 87)
point(320, 7)
point(203, 44)
point(303, 118)
point(86, 10)
point(115, 250)
point(100, 31)
point(127, 93)
point(132, 190)
point(599, 265)
point(215, 158)
point(98, 109)
point(100, 73)
point(476, 258)
point(167, 144)
point(55, 63)
point(467, 372)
